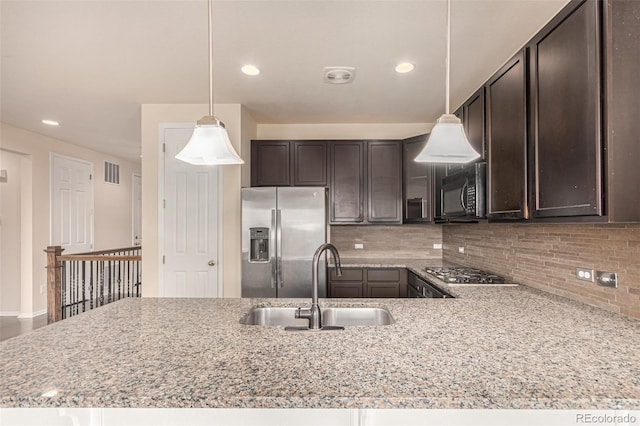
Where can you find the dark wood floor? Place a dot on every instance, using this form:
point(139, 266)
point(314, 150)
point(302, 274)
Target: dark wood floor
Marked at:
point(12, 326)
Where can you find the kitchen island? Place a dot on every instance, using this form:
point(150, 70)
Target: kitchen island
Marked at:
point(507, 347)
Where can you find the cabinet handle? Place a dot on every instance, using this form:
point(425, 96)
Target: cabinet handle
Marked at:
point(463, 195)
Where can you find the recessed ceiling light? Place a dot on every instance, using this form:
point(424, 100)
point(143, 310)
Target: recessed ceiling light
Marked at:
point(250, 70)
point(404, 67)
point(50, 122)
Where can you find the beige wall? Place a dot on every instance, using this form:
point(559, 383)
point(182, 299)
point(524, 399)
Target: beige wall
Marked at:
point(10, 223)
point(112, 205)
point(229, 255)
point(249, 132)
point(342, 130)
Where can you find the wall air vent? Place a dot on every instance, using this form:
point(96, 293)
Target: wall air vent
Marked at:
point(339, 75)
point(111, 173)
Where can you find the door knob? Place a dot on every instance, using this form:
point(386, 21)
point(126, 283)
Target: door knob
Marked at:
point(212, 263)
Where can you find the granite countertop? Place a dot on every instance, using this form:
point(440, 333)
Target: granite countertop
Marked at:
point(508, 347)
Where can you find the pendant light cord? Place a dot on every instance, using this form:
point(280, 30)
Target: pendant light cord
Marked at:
point(210, 58)
point(448, 56)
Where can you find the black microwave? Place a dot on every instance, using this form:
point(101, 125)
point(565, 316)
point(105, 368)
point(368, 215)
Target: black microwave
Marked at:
point(462, 194)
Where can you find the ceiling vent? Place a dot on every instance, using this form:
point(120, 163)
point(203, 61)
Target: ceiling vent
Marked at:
point(339, 75)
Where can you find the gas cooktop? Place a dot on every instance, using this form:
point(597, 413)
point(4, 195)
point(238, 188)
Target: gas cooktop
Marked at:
point(465, 276)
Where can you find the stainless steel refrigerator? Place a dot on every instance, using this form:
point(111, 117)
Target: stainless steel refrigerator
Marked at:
point(281, 229)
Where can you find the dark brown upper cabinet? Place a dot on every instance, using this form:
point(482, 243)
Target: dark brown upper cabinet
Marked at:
point(566, 125)
point(472, 115)
point(309, 163)
point(622, 110)
point(288, 163)
point(474, 121)
point(506, 112)
point(270, 162)
point(418, 180)
point(384, 182)
point(365, 182)
point(346, 181)
point(452, 167)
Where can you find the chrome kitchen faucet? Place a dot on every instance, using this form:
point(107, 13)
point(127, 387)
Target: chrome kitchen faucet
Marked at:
point(313, 314)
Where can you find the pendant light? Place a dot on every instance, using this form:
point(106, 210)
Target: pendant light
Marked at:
point(209, 143)
point(447, 142)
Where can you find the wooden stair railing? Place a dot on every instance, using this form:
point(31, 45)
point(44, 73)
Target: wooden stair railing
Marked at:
point(83, 281)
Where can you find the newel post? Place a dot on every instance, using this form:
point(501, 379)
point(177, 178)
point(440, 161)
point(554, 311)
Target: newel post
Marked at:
point(54, 284)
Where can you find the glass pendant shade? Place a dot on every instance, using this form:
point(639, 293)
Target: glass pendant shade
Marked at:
point(209, 145)
point(447, 143)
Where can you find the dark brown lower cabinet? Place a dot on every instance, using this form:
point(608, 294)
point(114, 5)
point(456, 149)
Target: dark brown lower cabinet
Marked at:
point(368, 282)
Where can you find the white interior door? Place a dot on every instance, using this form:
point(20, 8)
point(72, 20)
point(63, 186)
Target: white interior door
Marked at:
point(71, 204)
point(137, 209)
point(190, 210)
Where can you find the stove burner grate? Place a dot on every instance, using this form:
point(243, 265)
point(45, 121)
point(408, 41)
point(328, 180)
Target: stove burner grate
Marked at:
point(464, 275)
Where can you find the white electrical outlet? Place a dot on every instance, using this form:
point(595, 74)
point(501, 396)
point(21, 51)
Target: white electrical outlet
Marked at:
point(460, 249)
point(437, 246)
point(359, 246)
point(584, 274)
point(42, 287)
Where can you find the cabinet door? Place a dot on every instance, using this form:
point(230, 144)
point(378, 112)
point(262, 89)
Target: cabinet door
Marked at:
point(471, 113)
point(349, 284)
point(309, 163)
point(439, 173)
point(386, 290)
point(460, 114)
point(384, 182)
point(474, 121)
point(346, 178)
point(270, 162)
point(565, 101)
point(507, 141)
point(418, 183)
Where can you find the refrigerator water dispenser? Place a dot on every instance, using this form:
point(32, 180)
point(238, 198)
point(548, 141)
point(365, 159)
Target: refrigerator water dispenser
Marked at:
point(259, 245)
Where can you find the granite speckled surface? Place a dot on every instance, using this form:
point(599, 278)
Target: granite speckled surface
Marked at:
point(507, 347)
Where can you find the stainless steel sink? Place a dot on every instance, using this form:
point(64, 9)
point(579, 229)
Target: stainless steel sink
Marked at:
point(273, 317)
point(345, 317)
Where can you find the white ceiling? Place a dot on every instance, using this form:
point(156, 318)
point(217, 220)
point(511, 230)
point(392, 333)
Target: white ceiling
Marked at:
point(90, 64)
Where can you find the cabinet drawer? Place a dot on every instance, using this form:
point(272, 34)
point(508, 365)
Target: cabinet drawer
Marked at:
point(383, 275)
point(347, 275)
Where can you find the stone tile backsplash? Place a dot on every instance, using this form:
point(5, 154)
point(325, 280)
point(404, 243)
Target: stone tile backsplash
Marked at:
point(545, 256)
point(388, 241)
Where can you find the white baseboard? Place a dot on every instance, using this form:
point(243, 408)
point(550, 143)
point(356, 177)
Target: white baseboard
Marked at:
point(9, 314)
point(32, 314)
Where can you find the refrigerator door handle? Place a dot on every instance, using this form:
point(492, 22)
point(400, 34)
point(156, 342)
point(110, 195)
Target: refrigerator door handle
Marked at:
point(272, 249)
point(279, 248)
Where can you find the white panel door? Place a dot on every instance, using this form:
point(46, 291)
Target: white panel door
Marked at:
point(137, 209)
point(71, 204)
point(190, 223)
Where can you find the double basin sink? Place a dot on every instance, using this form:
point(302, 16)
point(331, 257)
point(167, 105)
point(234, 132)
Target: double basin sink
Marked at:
point(340, 317)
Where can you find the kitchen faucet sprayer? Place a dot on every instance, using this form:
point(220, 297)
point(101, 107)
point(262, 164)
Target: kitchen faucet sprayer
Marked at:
point(313, 314)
